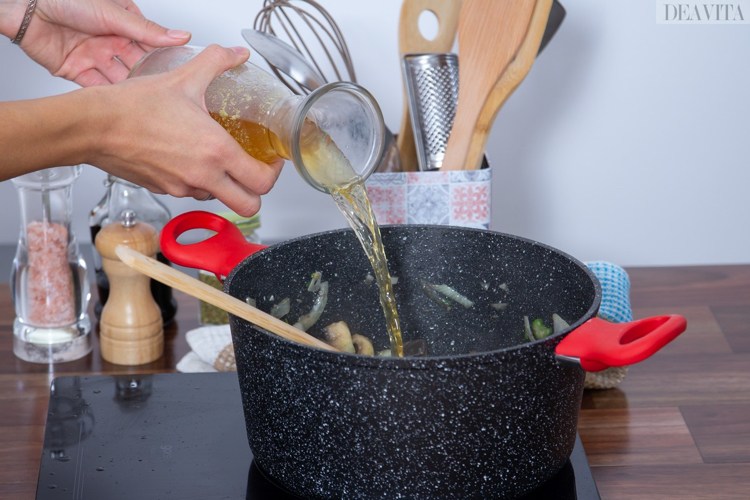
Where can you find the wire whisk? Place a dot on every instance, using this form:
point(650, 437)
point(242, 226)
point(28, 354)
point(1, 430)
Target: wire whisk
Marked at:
point(308, 27)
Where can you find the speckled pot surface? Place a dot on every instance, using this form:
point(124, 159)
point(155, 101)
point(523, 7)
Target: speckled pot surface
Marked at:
point(485, 415)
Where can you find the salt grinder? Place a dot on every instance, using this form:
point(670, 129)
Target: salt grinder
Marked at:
point(130, 328)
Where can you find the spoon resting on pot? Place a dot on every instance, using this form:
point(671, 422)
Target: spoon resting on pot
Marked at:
point(196, 288)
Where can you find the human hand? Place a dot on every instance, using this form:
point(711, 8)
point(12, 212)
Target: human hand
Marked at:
point(93, 42)
point(155, 131)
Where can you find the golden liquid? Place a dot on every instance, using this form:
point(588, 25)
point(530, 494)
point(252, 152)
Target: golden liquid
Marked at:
point(323, 160)
point(256, 139)
point(330, 168)
point(355, 205)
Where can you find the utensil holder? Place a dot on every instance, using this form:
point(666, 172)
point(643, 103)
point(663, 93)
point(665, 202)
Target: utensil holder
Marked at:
point(455, 198)
point(432, 196)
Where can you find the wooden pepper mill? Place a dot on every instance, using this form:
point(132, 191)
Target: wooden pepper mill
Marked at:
point(130, 328)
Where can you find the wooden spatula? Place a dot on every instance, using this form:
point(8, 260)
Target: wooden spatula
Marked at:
point(497, 43)
point(411, 41)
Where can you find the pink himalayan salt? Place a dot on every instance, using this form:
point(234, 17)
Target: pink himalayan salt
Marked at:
point(50, 291)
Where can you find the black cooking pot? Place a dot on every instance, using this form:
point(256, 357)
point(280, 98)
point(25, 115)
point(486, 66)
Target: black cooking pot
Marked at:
point(486, 413)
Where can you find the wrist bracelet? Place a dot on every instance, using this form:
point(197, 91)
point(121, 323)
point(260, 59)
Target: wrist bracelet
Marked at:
point(25, 23)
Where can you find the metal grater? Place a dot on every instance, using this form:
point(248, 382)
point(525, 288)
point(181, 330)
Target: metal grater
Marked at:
point(432, 94)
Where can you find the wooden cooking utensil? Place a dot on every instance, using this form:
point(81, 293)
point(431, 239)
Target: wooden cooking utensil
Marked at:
point(195, 288)
point(411, 41)
point(497, 42)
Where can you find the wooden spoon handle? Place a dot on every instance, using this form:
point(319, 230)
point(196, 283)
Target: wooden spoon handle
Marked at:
point(411, 41)
point(195, 288)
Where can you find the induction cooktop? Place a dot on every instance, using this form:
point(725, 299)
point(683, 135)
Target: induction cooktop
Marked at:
point(179, 436)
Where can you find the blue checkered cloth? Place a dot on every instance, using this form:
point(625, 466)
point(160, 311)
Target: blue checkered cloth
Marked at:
point(615, 284)
point(615, 307)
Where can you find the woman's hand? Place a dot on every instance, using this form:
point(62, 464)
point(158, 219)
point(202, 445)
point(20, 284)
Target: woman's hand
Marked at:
point(155, 131)
point(92, 42)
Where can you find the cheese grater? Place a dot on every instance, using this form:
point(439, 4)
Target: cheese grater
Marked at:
point(432, 94)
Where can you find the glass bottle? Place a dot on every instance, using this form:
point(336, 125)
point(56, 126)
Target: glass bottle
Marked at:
point(49, 285)
point(97, 217)
point(122, 195)
point(334, 136)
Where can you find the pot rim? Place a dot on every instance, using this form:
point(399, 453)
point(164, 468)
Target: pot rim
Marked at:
point(481, 357)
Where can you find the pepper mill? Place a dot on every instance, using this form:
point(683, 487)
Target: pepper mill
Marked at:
point(122, 195)
point(130, 329)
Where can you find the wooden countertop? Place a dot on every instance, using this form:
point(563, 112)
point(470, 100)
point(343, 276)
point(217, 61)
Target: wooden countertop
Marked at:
point(678, 427)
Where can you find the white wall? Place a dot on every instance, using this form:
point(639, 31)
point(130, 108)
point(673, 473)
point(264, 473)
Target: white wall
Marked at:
point(628, 141)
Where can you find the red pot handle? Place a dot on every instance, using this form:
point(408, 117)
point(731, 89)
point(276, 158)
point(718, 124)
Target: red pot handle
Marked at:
point(599, 344)
point(219, 253)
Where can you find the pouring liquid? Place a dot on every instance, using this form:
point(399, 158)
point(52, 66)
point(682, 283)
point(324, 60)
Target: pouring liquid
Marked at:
point(353, 202)
point(327, 164)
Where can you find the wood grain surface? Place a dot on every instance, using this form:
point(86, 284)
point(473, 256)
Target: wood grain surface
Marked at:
point(678, 427)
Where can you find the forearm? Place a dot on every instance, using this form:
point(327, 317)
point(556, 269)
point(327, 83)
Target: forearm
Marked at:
point(47, 132)
point(11, 15)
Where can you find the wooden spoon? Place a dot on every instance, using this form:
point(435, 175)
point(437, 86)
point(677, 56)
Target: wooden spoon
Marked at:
point(411, 41)
point(195, 288)
point(498, 41)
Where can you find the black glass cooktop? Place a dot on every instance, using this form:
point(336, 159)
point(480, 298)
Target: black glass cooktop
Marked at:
point(178, 436)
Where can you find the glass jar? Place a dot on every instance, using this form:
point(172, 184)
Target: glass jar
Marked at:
point(49, 285)
point(335, 136)
point(122, 195)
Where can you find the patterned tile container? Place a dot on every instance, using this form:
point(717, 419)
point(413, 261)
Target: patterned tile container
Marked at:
point(456, 198)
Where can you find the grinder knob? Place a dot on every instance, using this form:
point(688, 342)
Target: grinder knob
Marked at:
point(130, 328)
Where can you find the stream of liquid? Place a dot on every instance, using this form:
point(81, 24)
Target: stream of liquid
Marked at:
point(353, 202)
point(330, 168)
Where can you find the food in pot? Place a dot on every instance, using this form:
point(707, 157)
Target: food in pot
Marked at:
point(537, 329)
point(321, 288)
point(445, 295)
point(362, 345)
point(281, 309)
point(339, 336)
